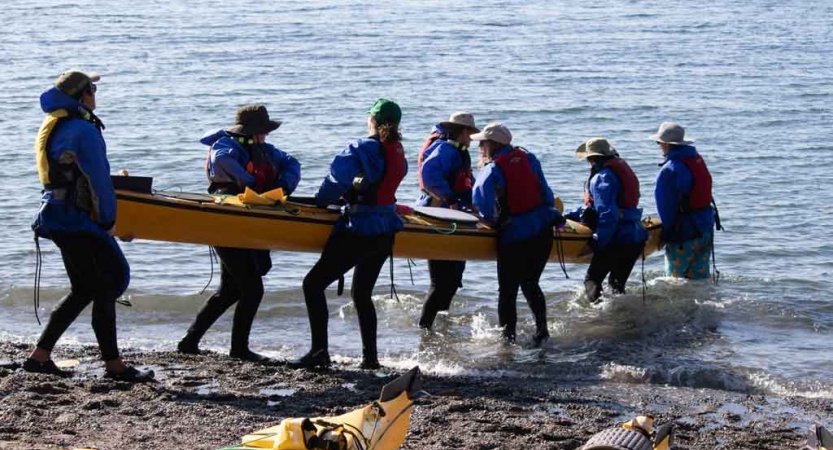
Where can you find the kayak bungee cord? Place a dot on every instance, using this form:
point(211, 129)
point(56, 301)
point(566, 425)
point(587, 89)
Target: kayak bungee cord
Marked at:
point(559, 250)
point(211, 257)
point(38, 267)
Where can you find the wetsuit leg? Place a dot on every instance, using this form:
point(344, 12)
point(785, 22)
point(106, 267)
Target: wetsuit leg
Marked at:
point(509, 281)
point(624, 258)
point(243, 264)
point(599, 267)
point(227, 294)
point(446, 278)
point(364, 279)
point(537, 254)
point(96, 270)
point(341, 252)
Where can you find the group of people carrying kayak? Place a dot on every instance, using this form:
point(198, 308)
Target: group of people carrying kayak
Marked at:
point(509, 194)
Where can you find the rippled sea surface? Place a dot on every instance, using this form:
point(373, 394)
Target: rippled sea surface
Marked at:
point(750, 80)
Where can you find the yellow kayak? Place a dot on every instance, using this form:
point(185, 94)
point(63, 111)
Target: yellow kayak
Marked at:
point(381, 425)
point(297, 225)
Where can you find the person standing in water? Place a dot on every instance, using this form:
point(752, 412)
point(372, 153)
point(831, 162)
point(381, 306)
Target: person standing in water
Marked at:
point(445, 180)
point(78, 213)
point(512, 195)
point(240, 158)
point(611, 200)
point(683, 194)
point(365, 176)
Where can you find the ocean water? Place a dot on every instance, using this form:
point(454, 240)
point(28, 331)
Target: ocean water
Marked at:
point(750, 80)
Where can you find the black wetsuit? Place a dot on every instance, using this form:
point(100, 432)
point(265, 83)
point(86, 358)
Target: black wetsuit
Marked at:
point(96, 273)
point(520, 265)
point(446, 278)
point(241, 282)
point(343, 251)
point(616, 260)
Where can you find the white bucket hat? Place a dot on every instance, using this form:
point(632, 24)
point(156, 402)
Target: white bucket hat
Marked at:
point(670, 133)
point(461, 119)
point(494, 131)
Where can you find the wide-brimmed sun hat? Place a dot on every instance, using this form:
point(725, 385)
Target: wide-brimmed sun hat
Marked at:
point(251, 120)
point(596, 146)
point(462, 119)
point(670, 133)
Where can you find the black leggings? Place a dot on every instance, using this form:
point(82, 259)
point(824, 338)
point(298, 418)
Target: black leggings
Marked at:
point(342, 252)
point(616, 260)
point(241, 282)
point(520, 264)
point(446, 278)
point(97, 270)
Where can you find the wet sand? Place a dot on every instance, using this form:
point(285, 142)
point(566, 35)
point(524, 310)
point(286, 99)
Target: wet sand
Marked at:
point(210, 401)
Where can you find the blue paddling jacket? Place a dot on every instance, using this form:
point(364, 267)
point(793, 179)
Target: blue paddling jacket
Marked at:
point(674, 184)
point(361, 160)
point(518, 227)
point(86, 201)
point(229, 162)
point(617, 225)
point(442, 165)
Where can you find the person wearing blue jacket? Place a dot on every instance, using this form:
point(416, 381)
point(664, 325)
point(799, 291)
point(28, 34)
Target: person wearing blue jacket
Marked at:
point(78, 213)
point(683, 194)
point(240, 158)
point(364, 178)
point(512, 195)
point(611, 210)
point(445, 180)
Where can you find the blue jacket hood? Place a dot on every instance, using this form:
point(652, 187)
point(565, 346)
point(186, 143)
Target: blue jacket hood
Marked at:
point(686, 151)
point(53, 99)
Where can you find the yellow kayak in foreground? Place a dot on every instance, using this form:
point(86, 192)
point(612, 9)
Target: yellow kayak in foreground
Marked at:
point(301, 227)
point(381, 425)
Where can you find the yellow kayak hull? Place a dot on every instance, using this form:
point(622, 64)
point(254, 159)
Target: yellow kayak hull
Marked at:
point(200, 219)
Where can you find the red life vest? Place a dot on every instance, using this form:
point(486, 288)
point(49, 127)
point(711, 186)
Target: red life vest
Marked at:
point(700, 196)
point(523, 189)
point(629, 195)
point(428, 142)
point(460, 181)
point(261, 168)
point(395, 169)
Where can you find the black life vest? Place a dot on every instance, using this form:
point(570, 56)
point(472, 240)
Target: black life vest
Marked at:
point(460, 180)
point(523, 192)
point(628, 196)
point(700, 196)
point(383, 192)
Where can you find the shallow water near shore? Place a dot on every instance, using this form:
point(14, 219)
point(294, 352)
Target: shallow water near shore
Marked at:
point(750, 81)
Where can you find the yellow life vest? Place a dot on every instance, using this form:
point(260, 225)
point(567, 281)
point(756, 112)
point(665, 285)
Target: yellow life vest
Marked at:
point(41, 155)
point(83, 194)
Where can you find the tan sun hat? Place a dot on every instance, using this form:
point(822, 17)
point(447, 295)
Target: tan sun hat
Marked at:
point(494, 131)
point(461, 119)
point(670, 133)
point(596, 146)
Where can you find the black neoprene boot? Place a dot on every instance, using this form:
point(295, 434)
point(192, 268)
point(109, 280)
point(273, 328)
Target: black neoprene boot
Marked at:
point(314, 358)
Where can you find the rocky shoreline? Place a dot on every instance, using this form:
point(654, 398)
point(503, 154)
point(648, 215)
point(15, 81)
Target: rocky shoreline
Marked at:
point(210, 401)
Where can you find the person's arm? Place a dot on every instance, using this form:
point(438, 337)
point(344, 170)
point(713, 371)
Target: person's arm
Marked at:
point(666, 195)
point(227, 159)
point(605, 188)
point(289, 171)
point(91, 158)
point(344, 168)
point(484, 194)
point(434, 170)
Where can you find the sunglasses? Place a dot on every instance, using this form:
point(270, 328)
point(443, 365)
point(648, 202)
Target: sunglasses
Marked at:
point(92, 88)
